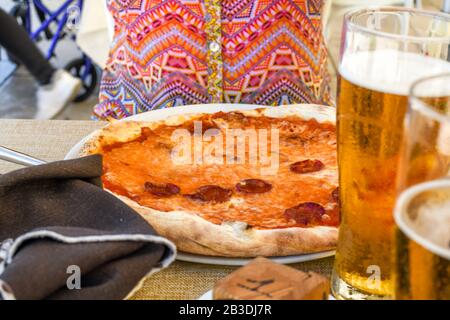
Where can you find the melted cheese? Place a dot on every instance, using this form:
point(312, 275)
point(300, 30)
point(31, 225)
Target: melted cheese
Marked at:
point(127, 166)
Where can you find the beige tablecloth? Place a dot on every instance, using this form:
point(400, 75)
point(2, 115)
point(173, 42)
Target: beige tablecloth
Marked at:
point(51, 140)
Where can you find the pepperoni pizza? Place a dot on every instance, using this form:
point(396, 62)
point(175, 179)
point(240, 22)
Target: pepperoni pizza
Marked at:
point(225, 201)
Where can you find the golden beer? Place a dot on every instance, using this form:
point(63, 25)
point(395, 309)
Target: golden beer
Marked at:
point(426, 151)
point(422, 255)
point(368, 154)
point(372, 103)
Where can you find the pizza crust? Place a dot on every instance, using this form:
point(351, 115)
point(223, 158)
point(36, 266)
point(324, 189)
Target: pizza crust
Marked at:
point(190, 233)
point(193, 234)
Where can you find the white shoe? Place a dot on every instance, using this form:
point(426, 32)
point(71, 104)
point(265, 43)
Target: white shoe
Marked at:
point(55, 96)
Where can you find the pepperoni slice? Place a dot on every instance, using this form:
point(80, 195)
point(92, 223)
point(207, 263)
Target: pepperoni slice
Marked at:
point(162, 190)
point(306, 166)
point(335, 194)
point(211, 193)
point(253, 186)
point(306, 213)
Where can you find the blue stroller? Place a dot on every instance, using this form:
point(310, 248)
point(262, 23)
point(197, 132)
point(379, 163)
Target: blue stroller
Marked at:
point(55, 26)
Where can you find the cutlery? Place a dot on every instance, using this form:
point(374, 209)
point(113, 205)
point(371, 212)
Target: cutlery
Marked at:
point(18, 157)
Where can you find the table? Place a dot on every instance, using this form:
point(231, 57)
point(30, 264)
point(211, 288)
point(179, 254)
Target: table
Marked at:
point(51, 140)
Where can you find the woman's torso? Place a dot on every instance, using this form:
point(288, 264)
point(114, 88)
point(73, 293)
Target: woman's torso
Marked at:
point(169, 53)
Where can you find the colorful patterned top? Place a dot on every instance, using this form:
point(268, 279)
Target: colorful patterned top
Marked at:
point(175, 52)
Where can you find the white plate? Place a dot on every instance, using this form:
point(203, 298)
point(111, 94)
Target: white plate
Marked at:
point(162, 114)
point(209, 296)
point(224, 261)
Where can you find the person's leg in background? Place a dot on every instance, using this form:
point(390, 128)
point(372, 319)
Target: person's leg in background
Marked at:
point(56, 86)
point(17, 42)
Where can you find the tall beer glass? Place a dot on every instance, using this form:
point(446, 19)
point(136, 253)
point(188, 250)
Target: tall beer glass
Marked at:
point(384, 50)
point(422, 268)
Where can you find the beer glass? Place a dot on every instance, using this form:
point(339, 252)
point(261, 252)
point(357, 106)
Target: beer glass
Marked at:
point(383, 51)
point(421, 262)
point(422, 268)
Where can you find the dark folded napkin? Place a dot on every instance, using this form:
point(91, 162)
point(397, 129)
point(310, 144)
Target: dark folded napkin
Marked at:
point(63, 237)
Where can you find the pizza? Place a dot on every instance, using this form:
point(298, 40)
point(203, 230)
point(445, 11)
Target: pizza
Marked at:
point(203, 182)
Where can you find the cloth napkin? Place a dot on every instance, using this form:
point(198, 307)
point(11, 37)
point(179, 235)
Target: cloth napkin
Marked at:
point(63, 237)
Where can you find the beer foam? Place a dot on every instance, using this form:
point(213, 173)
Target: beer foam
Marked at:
point(389, 71)
point(426, 216)
point(433, 222)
